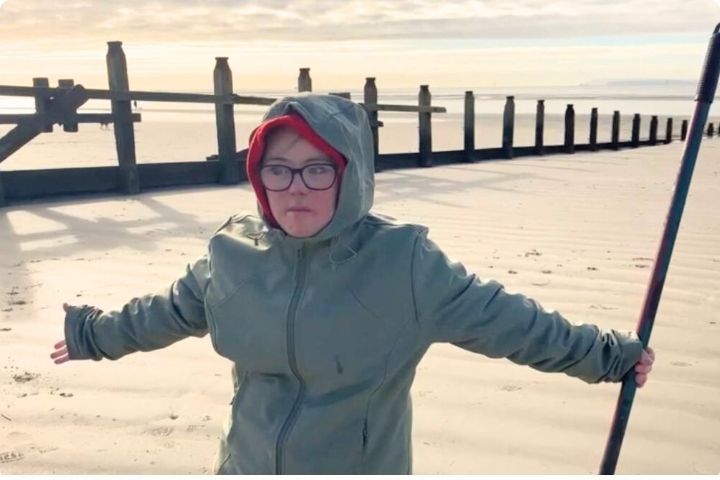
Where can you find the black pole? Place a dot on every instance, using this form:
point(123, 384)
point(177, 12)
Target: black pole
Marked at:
point(704, 98)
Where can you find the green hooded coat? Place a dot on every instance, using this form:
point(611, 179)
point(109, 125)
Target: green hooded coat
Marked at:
point(326, 332)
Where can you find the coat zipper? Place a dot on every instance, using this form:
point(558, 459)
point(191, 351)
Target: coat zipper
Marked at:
point(292, 312)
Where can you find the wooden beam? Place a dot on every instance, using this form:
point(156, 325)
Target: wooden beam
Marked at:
point(636, 131)
point(403, 108)
point(508, 126)
point(593, 128)
point(12, 118)
point(615, 139)
point(469, 126)
point(98, 94)
point(569, 129)
point(225, 123)
point(42, 99)
point(425, 128)
point(304, 80)
point(540, 127)
point(69, 125)
point(128, 181)
point(370, 95)
point(31, 127)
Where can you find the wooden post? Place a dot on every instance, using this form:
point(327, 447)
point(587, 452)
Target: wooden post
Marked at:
point(593, 128)
point(225, 123)
point(425, 127)
point(508, 127)
point(540, 128)
point(469, 136)
point(683, 130)
point(370, 97)
point(616, 130)
point(341, 94)
point(636, 131)
point(64, 105)
point(68, 126)
point(669, 130)
point(710, 130)
point(41, 101)
point(122, 119)
point(304, 80)
point(653, 129)
point(570, 129)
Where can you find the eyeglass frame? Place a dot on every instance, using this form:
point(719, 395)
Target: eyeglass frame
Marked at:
point(298, 171)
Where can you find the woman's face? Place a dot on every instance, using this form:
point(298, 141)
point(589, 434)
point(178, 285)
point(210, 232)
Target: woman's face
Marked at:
point(300, 211)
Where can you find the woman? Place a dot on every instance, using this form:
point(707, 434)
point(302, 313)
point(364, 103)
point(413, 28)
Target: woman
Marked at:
point(326, 309)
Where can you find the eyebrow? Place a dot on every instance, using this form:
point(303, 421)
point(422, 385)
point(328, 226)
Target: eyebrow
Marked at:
point(307, 161)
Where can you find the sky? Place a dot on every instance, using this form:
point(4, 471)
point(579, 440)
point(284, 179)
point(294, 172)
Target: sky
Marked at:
point(172, 44)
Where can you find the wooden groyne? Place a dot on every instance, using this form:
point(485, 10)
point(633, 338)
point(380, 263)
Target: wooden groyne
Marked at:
point(58, 105)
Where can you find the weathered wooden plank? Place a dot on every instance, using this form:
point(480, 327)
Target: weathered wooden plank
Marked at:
point(469, 126)
point(508, 126)
point(42, 99)
point(540, 127)
point(653, 129)
point(370, 97)
point(570, 129)
point(669, 130)
point(304, 80)
point(99, 94)
point(128, 181)
point(615, 138)
point(225, 123)
point(8, 119)
point(683, 130)
point(425, 128)
point(386, 107)
point(635, 142)
point(68, 125)
point(35, 125)
point(593, 128)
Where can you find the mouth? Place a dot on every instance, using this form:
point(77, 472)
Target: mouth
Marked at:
point(298, 210)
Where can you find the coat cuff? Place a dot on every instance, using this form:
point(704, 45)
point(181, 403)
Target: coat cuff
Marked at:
point(79, 337)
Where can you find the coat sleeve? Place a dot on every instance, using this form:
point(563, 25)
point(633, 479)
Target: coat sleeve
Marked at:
point(456, 307)
point(147, 323)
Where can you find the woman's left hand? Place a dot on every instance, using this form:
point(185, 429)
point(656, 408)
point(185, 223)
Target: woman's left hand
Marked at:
point(644, 366)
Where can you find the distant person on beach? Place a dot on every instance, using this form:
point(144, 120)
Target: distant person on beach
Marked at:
point(326, 309)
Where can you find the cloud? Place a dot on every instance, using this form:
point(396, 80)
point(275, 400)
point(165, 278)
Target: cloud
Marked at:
point(342, 20)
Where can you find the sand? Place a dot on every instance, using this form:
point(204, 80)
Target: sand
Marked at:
point(578, 233)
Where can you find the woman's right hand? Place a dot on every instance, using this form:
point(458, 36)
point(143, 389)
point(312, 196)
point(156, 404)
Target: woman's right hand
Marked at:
point(60, 355)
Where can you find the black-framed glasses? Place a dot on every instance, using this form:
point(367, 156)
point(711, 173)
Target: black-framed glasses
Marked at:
point(315, 176)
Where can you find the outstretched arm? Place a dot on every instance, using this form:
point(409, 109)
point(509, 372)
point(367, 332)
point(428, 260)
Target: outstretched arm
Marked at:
point(456, 307)
point(146, 323)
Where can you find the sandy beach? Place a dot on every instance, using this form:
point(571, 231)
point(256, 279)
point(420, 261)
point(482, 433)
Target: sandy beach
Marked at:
point(576, 232)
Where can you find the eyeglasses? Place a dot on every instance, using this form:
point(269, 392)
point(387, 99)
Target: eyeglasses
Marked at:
point(315, 176)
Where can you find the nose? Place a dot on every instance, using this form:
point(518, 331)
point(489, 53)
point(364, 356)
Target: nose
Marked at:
point(297, 186)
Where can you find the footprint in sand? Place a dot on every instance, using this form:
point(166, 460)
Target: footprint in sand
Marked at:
point(681, 364)
point(160, 431)
point(546, 272)
point(512, 272)
point(510, 388)
point(25, 377)
point(11, 456)
point(192, 428)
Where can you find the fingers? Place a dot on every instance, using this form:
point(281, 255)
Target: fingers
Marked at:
point(644, 366)
point(62, 359)
point(60, 355)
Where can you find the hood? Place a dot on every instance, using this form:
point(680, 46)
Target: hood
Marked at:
point(344, 126)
